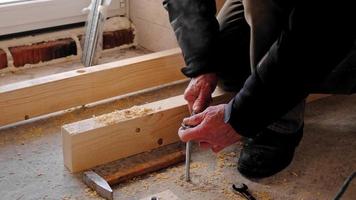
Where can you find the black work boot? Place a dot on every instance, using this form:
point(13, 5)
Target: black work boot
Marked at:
point(268, 153)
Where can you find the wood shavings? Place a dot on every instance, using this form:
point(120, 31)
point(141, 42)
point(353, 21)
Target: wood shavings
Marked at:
point(200, 182)
point(161, 176)
point(205, 179)
point(120, 115)
point(35, 131)
point(31, 133)
point(226, 159)
point(262, 195)
point(198, 165)
point(128, 191)
point(68, 197)
point(204, 184)
point(231, 165)
point(70, 116)
point(294, 174)
point(230, 195)
point(92, 193)
point(145, 185)
point(176, 169)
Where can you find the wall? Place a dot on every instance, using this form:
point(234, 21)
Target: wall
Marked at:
point(59, 46)
point(151, 23)
point(152, 26)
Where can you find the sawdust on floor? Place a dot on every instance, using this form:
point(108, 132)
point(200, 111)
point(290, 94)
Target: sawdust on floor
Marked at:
point(203, 179)
point(91, 192)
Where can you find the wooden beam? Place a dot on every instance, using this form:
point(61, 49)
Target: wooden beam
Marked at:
point(120, 134)
point(58, 92)
point(158, 163)
point(315, 97)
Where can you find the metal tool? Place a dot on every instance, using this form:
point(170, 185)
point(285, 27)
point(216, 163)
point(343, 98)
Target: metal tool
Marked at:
point(188, 147)
point(94, 30)
point(135, 166)
point(344, 186)
point(98, 184)
point(242, 190)
point(187, 153)
point(187, 160)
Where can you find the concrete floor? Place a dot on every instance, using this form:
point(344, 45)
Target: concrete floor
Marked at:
point(31, 162)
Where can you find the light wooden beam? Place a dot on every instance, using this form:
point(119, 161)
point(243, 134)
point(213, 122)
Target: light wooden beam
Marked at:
point(58, 92)
point(112, 136)
point(315, 97)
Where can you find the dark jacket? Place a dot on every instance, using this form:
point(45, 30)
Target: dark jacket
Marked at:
point(314, 51)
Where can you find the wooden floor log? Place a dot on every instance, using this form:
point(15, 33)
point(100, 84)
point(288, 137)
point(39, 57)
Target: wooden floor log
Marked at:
point(32, 98)
point(153, 165)
point(120, 134)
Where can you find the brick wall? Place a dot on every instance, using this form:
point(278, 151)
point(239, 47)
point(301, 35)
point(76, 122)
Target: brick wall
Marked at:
point(117, 38)
point(3, 59)
point(42, 50)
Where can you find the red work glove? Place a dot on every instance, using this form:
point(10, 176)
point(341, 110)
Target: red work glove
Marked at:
point(199, 90)
point(209, 129)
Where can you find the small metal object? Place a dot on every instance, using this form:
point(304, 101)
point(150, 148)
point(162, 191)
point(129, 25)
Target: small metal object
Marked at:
point(242, 190)
point(187, 156)
point(344, 186)
point(98, 184)
point(187, 161)
point(187, 153)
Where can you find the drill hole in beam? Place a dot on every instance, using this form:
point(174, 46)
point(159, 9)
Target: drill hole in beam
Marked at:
point(80, 71)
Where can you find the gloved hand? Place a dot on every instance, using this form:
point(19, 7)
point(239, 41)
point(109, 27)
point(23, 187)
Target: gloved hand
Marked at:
point(199, 90)
point(209, 129)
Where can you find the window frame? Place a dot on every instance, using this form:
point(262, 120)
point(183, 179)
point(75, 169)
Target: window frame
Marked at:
point(28, 15)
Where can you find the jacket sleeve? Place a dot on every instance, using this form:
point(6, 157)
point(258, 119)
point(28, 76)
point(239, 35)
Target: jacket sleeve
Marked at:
point(196, 29)
point(308, 49)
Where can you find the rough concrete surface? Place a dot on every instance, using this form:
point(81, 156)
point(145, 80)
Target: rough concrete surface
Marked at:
point(31, 162)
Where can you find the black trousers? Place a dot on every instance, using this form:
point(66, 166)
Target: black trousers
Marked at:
point(234, 60)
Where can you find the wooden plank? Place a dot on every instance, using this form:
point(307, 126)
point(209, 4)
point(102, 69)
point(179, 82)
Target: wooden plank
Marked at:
point(153, 165)
point(58, 92)
point(315, 97)
point(109, 137)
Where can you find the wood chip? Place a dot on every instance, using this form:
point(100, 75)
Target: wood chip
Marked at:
point(120, 115)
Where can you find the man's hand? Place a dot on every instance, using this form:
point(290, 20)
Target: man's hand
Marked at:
point(199, 90)
point(209, 129)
